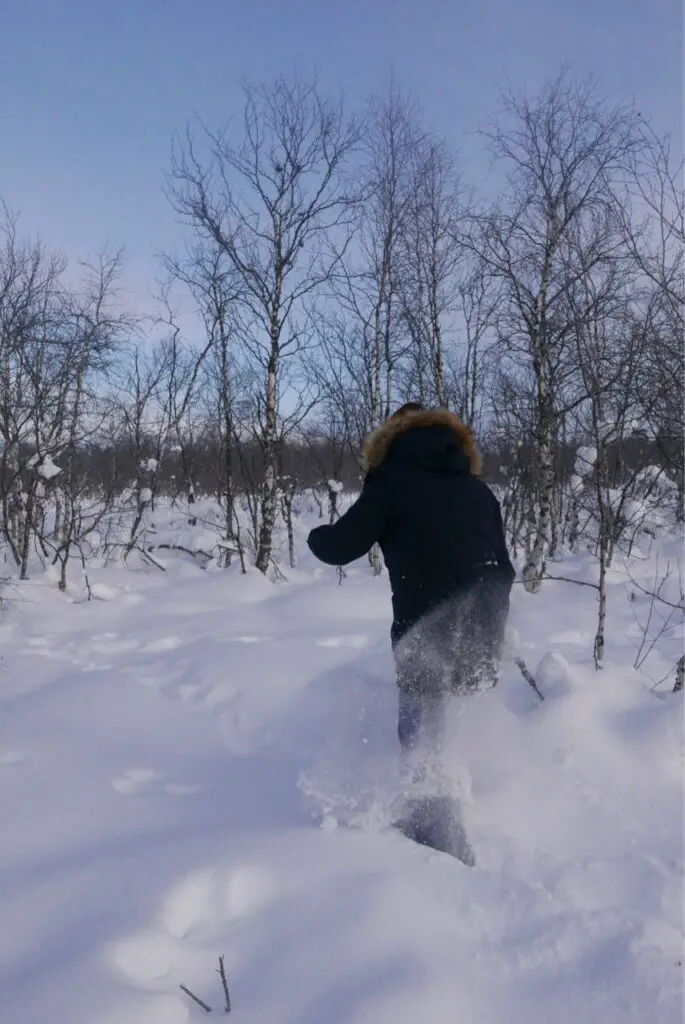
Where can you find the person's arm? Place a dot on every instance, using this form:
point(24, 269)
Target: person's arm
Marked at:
point(503, 559)
point(356, 532)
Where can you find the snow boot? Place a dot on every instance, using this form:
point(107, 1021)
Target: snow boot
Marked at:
point(434, 821)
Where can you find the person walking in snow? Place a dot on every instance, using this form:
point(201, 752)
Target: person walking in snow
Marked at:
point(439, 527)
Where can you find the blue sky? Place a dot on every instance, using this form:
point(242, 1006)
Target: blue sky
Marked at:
point(92, 91)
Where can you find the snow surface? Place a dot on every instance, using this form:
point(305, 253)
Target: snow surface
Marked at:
point(200, 763)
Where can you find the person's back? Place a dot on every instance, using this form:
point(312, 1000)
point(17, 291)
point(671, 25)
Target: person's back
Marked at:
point(440, 529)
point(443, 526)
point(438, 525)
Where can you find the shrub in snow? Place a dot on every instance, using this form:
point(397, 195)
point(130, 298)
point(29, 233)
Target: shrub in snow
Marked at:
point(335, 489)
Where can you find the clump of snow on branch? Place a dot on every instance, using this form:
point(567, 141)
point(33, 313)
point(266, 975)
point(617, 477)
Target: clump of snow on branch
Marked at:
point(44, 466)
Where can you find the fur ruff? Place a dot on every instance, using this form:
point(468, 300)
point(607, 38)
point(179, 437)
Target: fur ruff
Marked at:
point(378, 443)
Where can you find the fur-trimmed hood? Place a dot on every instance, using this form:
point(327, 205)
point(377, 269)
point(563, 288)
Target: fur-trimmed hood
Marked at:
point(378, 443)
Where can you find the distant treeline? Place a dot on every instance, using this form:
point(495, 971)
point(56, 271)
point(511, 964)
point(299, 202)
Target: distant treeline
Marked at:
point(198, 467)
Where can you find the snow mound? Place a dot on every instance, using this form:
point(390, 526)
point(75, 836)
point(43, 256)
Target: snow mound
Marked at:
point(553, 675)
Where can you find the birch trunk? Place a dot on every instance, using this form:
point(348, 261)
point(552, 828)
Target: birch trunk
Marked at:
point(439, 366)
point(679, 675)
point(57, 526)
point(226, 462)
point(605, 523)
point(534, 568)
point(599, 643)
point(29, 515)
point(270, 444)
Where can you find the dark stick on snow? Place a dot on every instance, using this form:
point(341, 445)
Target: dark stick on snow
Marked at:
point(528, 677)
point(195, 998)
point(222, 974)
point(569, 579)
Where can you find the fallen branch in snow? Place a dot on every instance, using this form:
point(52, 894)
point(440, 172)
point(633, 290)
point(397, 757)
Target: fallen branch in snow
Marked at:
point(198, 553)
point(153, 561)
point(128, 548)
point(569, 579)
point(222, 974)
point(195, 998)
point(527, 675)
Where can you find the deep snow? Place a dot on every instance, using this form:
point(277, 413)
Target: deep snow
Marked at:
point(200, 763)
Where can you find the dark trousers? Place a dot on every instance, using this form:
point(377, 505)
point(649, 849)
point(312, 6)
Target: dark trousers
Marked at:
point(420, 720)
point(432, 816)
point(456, 646)
point(420, 729)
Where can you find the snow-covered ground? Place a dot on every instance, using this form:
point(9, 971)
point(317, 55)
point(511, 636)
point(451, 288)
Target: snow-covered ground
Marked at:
point(200, 763)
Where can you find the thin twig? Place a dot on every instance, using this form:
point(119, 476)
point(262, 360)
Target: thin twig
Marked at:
point(656, 594)
point(195, 998)
point(222, 974)
point(649, 642)
point(279, 575)
point(525, 672)
point(141, 551)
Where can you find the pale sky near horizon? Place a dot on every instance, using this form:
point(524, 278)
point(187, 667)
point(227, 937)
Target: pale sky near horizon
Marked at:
point(93, 91)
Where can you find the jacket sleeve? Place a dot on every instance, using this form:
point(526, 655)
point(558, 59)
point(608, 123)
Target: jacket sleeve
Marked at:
point(503, 559)
point(356, 532)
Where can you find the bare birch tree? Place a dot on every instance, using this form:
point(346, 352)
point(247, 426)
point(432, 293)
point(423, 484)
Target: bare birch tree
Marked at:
point(654, 231)
point(95, 329)
point(29, 289)
point(431, 255)
point(216, 289)
point(475, 360)
point(370, 298)
point(563, 151)
point(277, 205)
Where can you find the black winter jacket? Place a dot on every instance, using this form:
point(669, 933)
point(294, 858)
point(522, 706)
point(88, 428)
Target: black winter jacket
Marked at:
point(438, 525)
